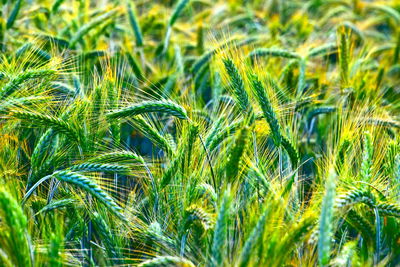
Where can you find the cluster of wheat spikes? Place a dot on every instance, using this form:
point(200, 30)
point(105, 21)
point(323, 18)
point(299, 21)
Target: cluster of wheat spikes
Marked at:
point(199, 133)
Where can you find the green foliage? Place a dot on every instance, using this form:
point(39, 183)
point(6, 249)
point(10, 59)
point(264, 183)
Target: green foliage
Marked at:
point(199, 133)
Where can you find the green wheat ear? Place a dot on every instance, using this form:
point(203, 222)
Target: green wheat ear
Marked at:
point(326, 220)
point(109, 241)
point(84, 183)
point(236, 154)
point(322, 50)
point(366, 163)
point(344, 56)
point(14, 13)
point(353, 197)
point(117, 156)
point(17, 81)
point(341, 154)
point(135, 25)
point(57, 204)
point(166, 107)
point(13, 103)
point(268, 111)
point(96, 167)
point(237, 85)
point(291, 150)
point(13, 236)
point(220, 232)
point(166, 261)
point(273, 52)
point(193, 133)
point(389, 209)
point(43, 120)
point(171, 171)
point(38, 53)
point(91, 187)
point(218, 135)
point(197, 213)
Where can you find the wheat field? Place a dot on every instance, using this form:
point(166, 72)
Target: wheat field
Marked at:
point(199, 133)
